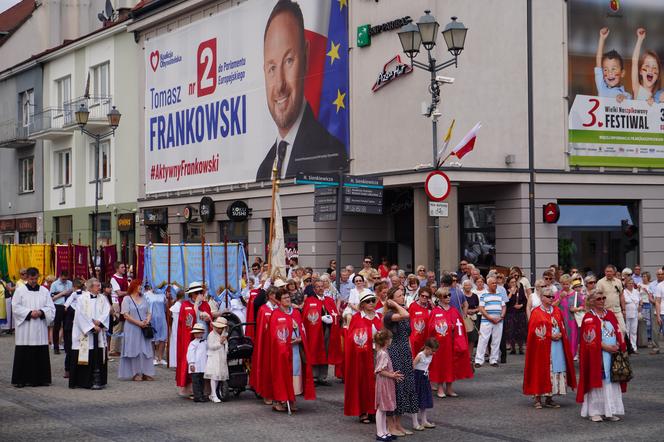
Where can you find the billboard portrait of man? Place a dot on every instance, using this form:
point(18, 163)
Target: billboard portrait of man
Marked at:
point(301, 144)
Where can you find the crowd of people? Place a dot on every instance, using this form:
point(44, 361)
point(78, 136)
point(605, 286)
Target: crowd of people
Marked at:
point(394, 339)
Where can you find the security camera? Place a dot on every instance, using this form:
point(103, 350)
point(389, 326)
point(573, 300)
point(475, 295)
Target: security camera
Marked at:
point(444, 80)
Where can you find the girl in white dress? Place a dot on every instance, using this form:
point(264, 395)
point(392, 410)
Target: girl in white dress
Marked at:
point(216, 369)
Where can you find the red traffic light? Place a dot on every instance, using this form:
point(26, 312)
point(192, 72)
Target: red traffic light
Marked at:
point(551, 213)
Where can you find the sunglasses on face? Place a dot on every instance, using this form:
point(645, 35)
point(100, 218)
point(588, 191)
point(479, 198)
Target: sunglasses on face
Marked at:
point(591, 282)
point(357, 281)
point(445, 296)
point(548, 278)
point(601, 298)
point(370, 301)
point(548, 296)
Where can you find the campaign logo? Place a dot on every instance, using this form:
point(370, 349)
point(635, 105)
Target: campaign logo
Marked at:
point(614, 5)
point(162, 60)
point(154, 60)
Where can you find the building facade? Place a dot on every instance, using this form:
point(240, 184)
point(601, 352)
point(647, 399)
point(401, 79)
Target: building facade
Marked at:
point(515, 79)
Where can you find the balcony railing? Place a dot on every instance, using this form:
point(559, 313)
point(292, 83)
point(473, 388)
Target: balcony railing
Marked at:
point(98, 107)
point(14, 134)
point(63, 118)
point(53, 118)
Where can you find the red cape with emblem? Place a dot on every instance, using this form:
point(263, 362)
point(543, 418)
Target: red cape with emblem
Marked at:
point(537, 371)
point(186, 320)
point(419, 318)
point(281, 331)
point(250, 330)
point(451, 362)
point(359, 377)
point(260, 377)
point(312, 311)
point(591, 368)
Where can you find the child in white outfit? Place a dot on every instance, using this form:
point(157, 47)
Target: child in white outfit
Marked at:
point(216, 369)
point(196, 360)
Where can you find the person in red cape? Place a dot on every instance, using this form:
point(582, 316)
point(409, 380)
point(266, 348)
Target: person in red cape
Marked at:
point(250, 330)
point(549, 365)
point(290, 369)
point(419, 318)
point(190, 310)
point(451, 362)
point(359, 377)
point(260, 376)
point(321, 321)
point(600, 337)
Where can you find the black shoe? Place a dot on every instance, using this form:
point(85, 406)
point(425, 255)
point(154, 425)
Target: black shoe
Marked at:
point(512, 352)
point(56, 351)
point(323, 383)
point(19, 385)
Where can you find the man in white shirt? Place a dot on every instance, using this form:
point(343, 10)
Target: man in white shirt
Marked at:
point(659, 313)
point(656, 328)
point(33, 311)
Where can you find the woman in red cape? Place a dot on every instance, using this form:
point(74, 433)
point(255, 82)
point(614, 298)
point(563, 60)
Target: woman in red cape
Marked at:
point(290, 370)
point(543, 371)
point(419, 318)
point(250, 330)
point(260, 375)
point(599, 337)
point(312, 312)
point(451, 362)
point(189, 315)
point(359, 377)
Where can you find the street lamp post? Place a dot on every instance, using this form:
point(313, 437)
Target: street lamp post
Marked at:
point(424, 33)
point(82, 114)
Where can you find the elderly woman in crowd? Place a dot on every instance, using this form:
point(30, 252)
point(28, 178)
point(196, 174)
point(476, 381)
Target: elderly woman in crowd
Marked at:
point(516, 322)
point(412, 288)
point(296, 296)
point(549, 366)
point(136, 357)
point(472, 313)
point(600, 338)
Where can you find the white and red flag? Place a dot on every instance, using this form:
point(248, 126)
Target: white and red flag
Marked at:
point(467, 143)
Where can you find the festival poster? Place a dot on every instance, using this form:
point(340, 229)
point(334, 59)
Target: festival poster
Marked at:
point(616, 89)
point(216, 104)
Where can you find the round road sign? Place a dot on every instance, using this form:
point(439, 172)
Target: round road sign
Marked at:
point(437, 186)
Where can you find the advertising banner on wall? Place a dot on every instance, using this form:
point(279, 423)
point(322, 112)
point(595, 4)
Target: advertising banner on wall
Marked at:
point(616, 91)
point(259, 86)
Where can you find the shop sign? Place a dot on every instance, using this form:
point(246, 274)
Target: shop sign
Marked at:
point(188, 213)
point(365, 32)
point(26, 224)
point(206, 209)
point(126, 222)
point(238, 211)
point(392, 70)
point(7, 225)
point(157, 216)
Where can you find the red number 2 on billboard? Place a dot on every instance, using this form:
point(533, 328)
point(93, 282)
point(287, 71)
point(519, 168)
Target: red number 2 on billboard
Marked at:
point(207, 67)
point(591, 112)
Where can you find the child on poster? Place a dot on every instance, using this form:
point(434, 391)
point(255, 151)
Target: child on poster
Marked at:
point(645, 71)
point(609, 71)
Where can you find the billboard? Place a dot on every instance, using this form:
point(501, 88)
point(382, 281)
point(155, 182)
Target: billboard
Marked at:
point(616, 93)
point(258, 87)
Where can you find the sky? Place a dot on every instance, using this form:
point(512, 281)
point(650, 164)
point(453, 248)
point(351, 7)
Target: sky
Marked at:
point(6, 4)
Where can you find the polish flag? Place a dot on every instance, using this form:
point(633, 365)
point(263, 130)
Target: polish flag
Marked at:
point(467, 143)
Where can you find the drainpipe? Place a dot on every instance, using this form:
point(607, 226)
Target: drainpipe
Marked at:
point(531, 146)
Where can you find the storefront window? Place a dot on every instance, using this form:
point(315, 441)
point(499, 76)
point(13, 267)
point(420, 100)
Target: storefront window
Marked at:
point(478, 234)
point(235, 231)
point(290, 236)
point(63, 229)
point(593, 235)
point(192, 232)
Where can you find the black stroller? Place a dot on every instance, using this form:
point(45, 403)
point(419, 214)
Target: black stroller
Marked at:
point(240, 349)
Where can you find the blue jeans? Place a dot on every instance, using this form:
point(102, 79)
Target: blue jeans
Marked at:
point(646, 312)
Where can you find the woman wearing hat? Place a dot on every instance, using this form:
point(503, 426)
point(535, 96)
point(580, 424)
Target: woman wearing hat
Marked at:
point(189, 315)
point(359, 377)
point(216, 368)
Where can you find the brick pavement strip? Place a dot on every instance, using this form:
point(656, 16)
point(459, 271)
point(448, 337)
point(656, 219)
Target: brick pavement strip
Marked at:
point(490, 408)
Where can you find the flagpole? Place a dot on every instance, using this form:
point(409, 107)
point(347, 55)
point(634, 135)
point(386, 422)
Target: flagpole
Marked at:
point(169, 316)
point(275, 185)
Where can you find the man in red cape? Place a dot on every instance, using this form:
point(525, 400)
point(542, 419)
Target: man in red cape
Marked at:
point(591, 368)
point(359, 376)
point(189, 315)
point(260, 377)
point(419, 318)
point(537, 371)
point(321, 320)
point(451, 362)
point(250, 330)
point(285, 332)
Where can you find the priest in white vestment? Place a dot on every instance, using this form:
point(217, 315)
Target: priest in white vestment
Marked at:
point(33, 311)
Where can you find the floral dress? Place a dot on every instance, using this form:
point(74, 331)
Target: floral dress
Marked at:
point(402, 360)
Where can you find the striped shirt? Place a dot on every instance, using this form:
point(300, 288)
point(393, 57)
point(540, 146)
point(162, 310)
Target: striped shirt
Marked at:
point(493, 304)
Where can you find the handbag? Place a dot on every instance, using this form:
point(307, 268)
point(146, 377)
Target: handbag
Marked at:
point(469, 323)
point(621, 369)
point(148, 331)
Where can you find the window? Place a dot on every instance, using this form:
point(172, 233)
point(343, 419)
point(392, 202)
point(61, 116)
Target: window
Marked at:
point(63, 229)
point(104, 161)
point(26, 181)
point(63, 88)
point(235, 231)
point(27, 104)
point(101, 80)
point(62, 168)
point(103, 227)
point(290, 236)
point(478, 234)
point(192, 232)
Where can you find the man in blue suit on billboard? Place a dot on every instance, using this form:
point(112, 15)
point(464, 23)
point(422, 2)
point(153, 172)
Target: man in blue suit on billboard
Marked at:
point(302, 143)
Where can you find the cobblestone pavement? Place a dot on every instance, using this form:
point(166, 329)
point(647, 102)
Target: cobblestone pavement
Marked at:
point(490, 407)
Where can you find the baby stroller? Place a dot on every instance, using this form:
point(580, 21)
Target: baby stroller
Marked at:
point(240, 349)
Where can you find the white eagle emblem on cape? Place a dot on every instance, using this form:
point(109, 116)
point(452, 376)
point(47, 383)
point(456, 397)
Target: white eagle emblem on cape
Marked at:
point(419, 326)
point(441, 328)
point(283, 334)
point(313, 317)
point(540, 331)
point(589, 336)
point(360, 337)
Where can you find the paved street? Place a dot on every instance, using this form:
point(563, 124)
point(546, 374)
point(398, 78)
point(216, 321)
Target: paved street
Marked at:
point(491, 407)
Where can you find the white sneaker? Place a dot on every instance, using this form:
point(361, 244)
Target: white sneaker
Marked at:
point(215, 399)
point(163, 362)
point(155, 362)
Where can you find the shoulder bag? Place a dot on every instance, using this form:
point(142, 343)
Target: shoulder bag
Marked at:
point(148, 331)
point(621, 369)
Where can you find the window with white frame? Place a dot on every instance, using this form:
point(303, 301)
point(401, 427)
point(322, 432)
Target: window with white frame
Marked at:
point(101, 80)
point(62, 164)
point(26, 180)
point(63, 88)
point(104, 161)
point(27, 103)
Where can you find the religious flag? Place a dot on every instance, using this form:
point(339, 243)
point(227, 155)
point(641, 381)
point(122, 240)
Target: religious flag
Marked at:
point(467, 143)
point(446, 142)
point(277, 243)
